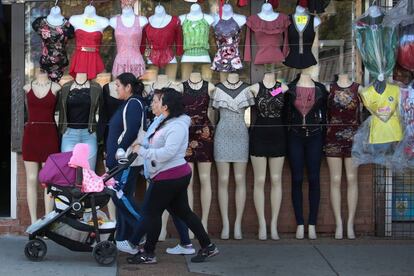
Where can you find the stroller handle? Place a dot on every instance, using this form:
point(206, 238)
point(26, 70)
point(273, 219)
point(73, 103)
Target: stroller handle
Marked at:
point(122, 165)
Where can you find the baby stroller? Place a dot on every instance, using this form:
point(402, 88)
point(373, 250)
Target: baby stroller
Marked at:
point(71, 205)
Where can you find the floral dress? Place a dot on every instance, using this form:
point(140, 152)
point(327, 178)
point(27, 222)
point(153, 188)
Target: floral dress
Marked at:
point(54, 38)
point(227, 58)
point(343, 120)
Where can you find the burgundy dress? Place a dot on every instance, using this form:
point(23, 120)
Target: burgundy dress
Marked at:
point(40, 137)
point(196, 102)
point(343, 120)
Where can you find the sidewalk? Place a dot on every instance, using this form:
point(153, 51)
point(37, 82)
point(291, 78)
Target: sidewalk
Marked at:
point(367, 256)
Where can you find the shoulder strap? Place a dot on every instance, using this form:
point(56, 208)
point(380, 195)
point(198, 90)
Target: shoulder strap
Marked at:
point(124, 118)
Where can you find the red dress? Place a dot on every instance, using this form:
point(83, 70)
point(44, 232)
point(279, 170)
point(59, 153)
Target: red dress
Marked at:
point(160, 41)
point(86, 58)
point(40, 137)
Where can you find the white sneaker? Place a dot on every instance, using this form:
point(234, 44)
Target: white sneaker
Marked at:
point(126, 247)
point(181, 250)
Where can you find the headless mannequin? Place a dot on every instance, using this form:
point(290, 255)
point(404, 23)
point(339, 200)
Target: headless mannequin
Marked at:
point(305, 81)
point(335, 170)
point(275, 168)
point(298, 17)
point(227, 13)
point(187, 62)
point(223, 169)
point(55, 17)
point(160, 20)
point(40, 87)
point(128, 18)
point(89, 21)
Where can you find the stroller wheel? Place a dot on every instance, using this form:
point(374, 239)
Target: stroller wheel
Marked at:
point(35, 250)
point(105, 253)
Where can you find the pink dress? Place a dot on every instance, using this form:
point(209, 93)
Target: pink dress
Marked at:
point(128, 41)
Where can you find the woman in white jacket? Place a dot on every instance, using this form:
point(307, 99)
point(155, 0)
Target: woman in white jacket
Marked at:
point(170, 175)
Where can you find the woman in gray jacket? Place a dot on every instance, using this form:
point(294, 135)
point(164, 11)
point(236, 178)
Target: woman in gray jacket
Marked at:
point(170, 176)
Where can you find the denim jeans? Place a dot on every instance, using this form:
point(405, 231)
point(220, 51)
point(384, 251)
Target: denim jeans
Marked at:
point(73, 136)
point(305, 150)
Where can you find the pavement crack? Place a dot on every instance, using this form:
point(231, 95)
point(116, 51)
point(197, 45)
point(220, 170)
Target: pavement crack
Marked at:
point(326, 260)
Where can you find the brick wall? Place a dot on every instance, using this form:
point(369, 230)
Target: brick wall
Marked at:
point(364, 222)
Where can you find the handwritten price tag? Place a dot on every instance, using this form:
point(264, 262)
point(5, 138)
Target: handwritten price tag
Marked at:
point(301, 19)
point(90, 22)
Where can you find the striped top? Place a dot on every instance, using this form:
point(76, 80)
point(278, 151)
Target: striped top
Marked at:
point(196, 34)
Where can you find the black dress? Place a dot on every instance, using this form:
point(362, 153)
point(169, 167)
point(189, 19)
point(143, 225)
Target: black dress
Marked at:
point(107, 108)
point(300, 43)
point(267, 134)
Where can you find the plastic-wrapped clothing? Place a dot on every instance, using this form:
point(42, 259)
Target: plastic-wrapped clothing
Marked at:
point(377, 44)
point(406, 47)
point(378, 136)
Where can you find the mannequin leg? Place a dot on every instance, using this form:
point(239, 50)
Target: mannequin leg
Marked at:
point(32, 170)
point(186, 70)
point(240, 179)
point(171, 71)
point(335, 170)
point(223, 76)
point(275, 169)
point(190, 195)
point(259, 169)
point(49, 201)
point(223, 169)
point(352, 178)
point(204, 173)
point(154, 72)
point(111, 210)
point(163, 233)
point(206, 72)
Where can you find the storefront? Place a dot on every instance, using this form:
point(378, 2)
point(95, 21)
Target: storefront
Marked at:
point(336, 52)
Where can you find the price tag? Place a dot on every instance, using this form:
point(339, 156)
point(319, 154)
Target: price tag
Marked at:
point(301, 19)
point(276, 91)
point(90, 22)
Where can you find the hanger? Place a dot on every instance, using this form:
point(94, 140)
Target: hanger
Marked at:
point(56, 2)
point(91, 3)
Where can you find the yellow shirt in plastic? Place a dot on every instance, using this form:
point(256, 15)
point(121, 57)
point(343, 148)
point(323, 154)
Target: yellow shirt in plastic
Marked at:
point(383, 105)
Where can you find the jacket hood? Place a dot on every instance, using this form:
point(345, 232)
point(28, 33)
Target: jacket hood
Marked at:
point(183, 119)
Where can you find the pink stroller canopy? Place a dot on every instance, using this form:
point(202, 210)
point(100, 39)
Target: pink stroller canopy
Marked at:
point(57, 171)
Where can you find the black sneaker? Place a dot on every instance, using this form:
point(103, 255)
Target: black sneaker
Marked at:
point(205, 253)
point(142, 258)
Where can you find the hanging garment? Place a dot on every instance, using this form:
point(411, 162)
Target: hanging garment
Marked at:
point(232, 104)
point(54, 58)
point(128, 41)
point(40, 136)
point(314, 6)
point(200, 145)
point(343, 119)
point(300, 43)
point(86, 58)
point(196, 35)
point(227, 59)
point(274, 3)
point(267, 133)
point(160, 42)
point(406, 47)
point(271, 39)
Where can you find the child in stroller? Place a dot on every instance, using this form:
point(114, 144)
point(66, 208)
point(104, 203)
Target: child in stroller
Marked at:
point(63, 174)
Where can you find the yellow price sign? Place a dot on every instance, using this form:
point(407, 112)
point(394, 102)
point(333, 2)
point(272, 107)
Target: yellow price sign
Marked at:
point(301, 19)
point(90, 22)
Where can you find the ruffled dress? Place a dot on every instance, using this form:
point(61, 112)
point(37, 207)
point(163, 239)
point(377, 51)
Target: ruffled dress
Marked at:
point(271, 39)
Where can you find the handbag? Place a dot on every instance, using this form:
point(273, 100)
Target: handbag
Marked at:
point(140, 137)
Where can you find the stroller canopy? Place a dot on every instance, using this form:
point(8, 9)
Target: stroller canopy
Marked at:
point(57, 171)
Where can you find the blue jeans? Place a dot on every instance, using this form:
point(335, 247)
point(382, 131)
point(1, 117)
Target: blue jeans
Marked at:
point(73, 136)
point(305, 150)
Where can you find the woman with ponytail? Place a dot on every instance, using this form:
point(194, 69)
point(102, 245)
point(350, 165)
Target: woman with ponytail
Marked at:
point(169, 174)
point(122, 132)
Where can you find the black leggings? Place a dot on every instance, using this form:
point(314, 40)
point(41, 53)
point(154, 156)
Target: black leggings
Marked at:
point(171, 195)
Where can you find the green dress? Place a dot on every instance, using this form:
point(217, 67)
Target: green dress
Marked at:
point(196, 34)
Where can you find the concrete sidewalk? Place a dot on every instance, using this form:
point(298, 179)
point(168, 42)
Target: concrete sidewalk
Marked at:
point(325, 256)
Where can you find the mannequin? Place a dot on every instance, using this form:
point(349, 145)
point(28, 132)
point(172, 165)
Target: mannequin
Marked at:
point(196, 14)
point(128, 18)
point(223, 156)
point(335, 164)
point(55, 17)
point(40, 87)
point(89, 21)
point(267, 13)
point(159, 20)
point(227, 14)
point(259, 164)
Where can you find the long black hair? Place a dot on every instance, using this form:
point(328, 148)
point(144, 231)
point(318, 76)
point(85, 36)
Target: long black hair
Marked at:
point(174, 101)
point(136, 85)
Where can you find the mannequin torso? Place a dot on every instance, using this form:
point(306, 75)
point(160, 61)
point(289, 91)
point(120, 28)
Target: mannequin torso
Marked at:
point(55, 17)
point(128, 18)
point(81, 81)
point(269, 80)
point(41, 86)
point(305, 81)
point(89, 21)
point(267, 13)
point(228, 14)
point(301, 18)
point(196, 82)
